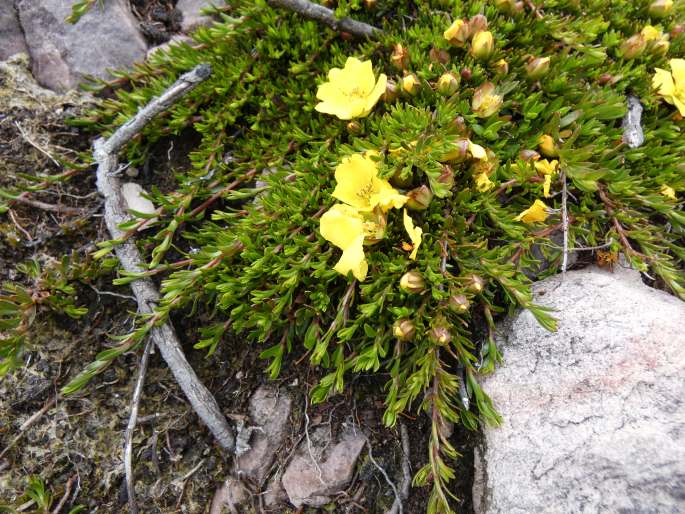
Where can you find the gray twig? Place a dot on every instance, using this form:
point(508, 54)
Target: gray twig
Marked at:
point(405, 484)
point(130, 428)
point(398, 499)
point(564, 220)
point(327, 17)
point(65, 496)
point(147, 296)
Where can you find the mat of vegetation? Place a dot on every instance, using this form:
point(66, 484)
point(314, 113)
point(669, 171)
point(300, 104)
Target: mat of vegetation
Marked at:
point(373, 206)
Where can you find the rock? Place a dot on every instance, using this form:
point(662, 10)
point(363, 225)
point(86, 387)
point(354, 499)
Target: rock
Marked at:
point(175, 40)
point(307, 484)
point(269, 410)
point(594, 416)
point(192, 19)
point(633, 134)
point(229, 497)
point(11, 35)
point(274, 494)
point(136, 200)
point(62, 54)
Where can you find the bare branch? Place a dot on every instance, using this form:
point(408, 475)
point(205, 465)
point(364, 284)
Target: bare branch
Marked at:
point(109, 186)
point(564, 220)
point(327, 16)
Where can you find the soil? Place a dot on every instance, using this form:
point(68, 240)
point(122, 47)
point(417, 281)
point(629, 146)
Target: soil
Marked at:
point(79, 440)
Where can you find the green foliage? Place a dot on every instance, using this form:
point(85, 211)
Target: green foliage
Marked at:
point(252, 254)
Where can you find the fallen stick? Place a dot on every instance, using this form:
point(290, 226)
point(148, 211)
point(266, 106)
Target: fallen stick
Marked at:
point(130, 428)
point(147, 296)
point(327, 16)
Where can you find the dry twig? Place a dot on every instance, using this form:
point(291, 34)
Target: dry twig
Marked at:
point(327, 16)
point(564, 220)
point(164, 336)
point(65, 496)
point(405, 484)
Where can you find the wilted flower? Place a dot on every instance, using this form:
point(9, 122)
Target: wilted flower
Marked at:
point(463, 149)
point(483, 182)
point(482, 45)
point(668, 191)
point(458, 303)
point(400, 56)
point(476, 283)
point(440, 335)
point(478, 23)
point(528, 155)
point(534, 213)
point(351, 92)
point(414, 234)
point(548, 169)
point(671, 85)
point(485, 101)
point(633, 46)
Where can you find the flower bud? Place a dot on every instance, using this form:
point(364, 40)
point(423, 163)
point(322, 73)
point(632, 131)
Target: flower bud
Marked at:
point(537, 67)
point(440, 335)
point(677, 30)
point(419, 198)
point(412, 282)
point(478, 23)
point(501, 67)
point(400, 57)
point(410, 84)
point(458, 33)
point(447, 176)
point(506, 6)
point(439, 55)
point(660, 8)
point(633, 47)
point(482, 45)
point(391, 92)
point(459, 152)
point(485, 102)
point(466, 74)
point(448, 84)
point(404, 329)
point(354, 127)
point(458, 303)
point(528, 155)
point(547, 146)
point(476, 283)
point(660, 47)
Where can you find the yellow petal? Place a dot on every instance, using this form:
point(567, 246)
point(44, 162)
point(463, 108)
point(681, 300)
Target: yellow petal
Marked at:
point(663, 81)
point(353, 260)
point(650, 33)
point(341, 225)
point(546, 185)
point(547, 167)
point(678, 71)
point(388, 197)
point(534, 213)
point(477, 151)
point(355, 176)
point(668, 191)
point(333, 101)
point(376, 93)
point(414, 234)
point(453, 29)
point(483, 182)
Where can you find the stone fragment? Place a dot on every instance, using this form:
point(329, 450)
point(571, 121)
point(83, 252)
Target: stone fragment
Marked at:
point(192, 18)
point(11, 37)
point(313, 484)
point(62, 54)
point(594, 414)
point(229, 497)
point(269, 410)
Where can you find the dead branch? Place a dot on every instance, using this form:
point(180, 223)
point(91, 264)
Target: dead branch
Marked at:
point(130, 428)
point(564, 220)
point(327, 17)
point(109, 186)
point(65, 496)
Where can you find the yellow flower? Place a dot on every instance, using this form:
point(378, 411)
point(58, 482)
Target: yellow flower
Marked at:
point(668, 191)
point(351, 92)
point(457, 33)
point(410, 83)
point(343, 226)
point(483, 182)
point(534, 213)
point(671, 85)
point(414, 234)
point(482, 45)
point(359, 185)
point(548, 169)
point(650, 33)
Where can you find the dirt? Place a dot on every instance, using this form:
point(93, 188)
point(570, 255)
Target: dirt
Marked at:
point(79, 440)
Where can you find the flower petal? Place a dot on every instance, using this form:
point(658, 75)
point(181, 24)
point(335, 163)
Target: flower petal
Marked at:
point(353, 260)
point(341, 225)
point(415, 233)
point(477, 151)
point(376, 93)
point(663, 81)
point(355, 176)
point(387, 196)
point(678, 72)
point(546, 185)
point(534, 213)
